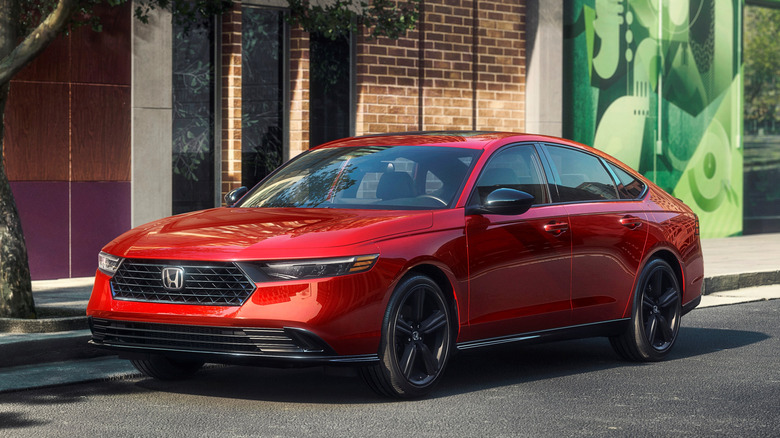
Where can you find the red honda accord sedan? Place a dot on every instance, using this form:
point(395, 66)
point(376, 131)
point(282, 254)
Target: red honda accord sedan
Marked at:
point(392, 252)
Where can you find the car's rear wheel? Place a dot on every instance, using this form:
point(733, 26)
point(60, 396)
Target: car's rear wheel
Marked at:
point(164, 368)
point(655, 319)
point(416, 340)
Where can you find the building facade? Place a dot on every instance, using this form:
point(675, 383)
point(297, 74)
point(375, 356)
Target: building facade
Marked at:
point(111, 130)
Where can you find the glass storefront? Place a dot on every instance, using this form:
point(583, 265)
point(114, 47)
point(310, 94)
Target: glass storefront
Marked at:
point(193, 118)
point(262, 92)
point(330, 89)
point(761, 56)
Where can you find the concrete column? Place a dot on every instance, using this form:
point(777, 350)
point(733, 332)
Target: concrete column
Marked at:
point(152, 118)
point(544, 67)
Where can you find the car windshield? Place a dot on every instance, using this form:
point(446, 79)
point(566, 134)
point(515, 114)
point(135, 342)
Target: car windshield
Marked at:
point(374, 177)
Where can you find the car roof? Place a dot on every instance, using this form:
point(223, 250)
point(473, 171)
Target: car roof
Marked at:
point(462, 139)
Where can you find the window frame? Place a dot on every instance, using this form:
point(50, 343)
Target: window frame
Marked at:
point(609, 164)
point(554, 175)
point(542, 173)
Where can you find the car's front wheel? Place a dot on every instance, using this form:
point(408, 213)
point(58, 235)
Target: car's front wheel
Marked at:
point(164, 368)
point(416, 340)
point(655, 319)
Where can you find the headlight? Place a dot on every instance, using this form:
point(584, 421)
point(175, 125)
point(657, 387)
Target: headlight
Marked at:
point(108, 264)
point(306, 269)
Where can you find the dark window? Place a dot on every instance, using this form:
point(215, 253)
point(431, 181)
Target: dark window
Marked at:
point(193, 118)
point(516, 167)
point(628, 187)
point(330, 86)
point(262, 93)
point(581, 176)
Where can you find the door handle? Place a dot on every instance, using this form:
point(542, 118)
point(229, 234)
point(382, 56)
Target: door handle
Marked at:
point(556, 228)
point(631, 222)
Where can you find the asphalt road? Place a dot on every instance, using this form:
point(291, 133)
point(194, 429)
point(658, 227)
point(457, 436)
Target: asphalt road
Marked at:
point(722, 379)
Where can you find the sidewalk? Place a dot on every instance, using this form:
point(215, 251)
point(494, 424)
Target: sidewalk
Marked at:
point(738, 262)
point(737, 270)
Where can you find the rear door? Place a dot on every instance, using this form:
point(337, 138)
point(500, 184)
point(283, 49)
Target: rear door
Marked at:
point(608, 230)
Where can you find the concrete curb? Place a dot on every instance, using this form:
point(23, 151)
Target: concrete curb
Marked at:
point(53, 374)
point(43, 325)
point(742, 280)
point(39, 348)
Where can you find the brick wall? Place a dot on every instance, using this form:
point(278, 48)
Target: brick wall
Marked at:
point(388, 92)
point(231, 99)
point(441, 77)
point(299, 91)
point(501, 79)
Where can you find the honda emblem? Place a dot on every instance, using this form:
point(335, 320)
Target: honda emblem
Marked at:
point(173, 278)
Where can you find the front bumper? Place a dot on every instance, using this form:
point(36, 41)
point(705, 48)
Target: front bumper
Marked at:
point(230, 345)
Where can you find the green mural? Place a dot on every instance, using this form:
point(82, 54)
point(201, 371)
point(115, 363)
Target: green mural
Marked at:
point(658, 84)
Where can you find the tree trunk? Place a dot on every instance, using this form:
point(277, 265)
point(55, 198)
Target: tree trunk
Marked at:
point(16, 299)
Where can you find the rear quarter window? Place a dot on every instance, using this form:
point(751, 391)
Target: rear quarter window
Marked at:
point(581, 176)
point(628, 186)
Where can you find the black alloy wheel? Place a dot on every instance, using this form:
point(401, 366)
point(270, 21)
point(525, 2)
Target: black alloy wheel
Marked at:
point(655, 320)
point(416, 340)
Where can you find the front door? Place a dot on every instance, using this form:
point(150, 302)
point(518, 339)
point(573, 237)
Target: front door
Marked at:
point(519, 266)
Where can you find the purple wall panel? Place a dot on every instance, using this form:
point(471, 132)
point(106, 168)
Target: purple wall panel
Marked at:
point(101, 212)
point(43, 208)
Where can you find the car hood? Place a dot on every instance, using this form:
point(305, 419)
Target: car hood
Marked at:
point(257, 233)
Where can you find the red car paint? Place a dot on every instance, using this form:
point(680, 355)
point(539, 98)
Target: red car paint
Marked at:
point(556, 266)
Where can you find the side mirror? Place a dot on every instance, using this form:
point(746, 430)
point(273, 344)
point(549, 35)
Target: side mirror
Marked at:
point(234, 195)
point(504, 201)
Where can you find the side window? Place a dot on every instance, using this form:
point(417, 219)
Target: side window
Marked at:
point(628, 187)
point(516, 167)
point(582, 176)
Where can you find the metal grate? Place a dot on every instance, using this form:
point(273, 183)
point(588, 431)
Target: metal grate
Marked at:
point(233, 340)
point(204, 283)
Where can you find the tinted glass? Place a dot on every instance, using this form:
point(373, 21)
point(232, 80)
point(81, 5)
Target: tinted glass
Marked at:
point(329, 83)
point(262, 93)
point(193, 118)
point(516, 167)
point(628, 187)
point(582, 176)
point(375, 177)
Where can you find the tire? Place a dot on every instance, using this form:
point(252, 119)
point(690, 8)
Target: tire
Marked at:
point(416, 343)
point(655, 317)
point(164, 368)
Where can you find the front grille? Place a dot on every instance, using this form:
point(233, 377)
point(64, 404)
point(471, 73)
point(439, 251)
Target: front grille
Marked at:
point(203, 339)
point(204, 283)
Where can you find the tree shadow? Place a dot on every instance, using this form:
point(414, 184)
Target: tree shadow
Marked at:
point(16, 420)
point(54, 395)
